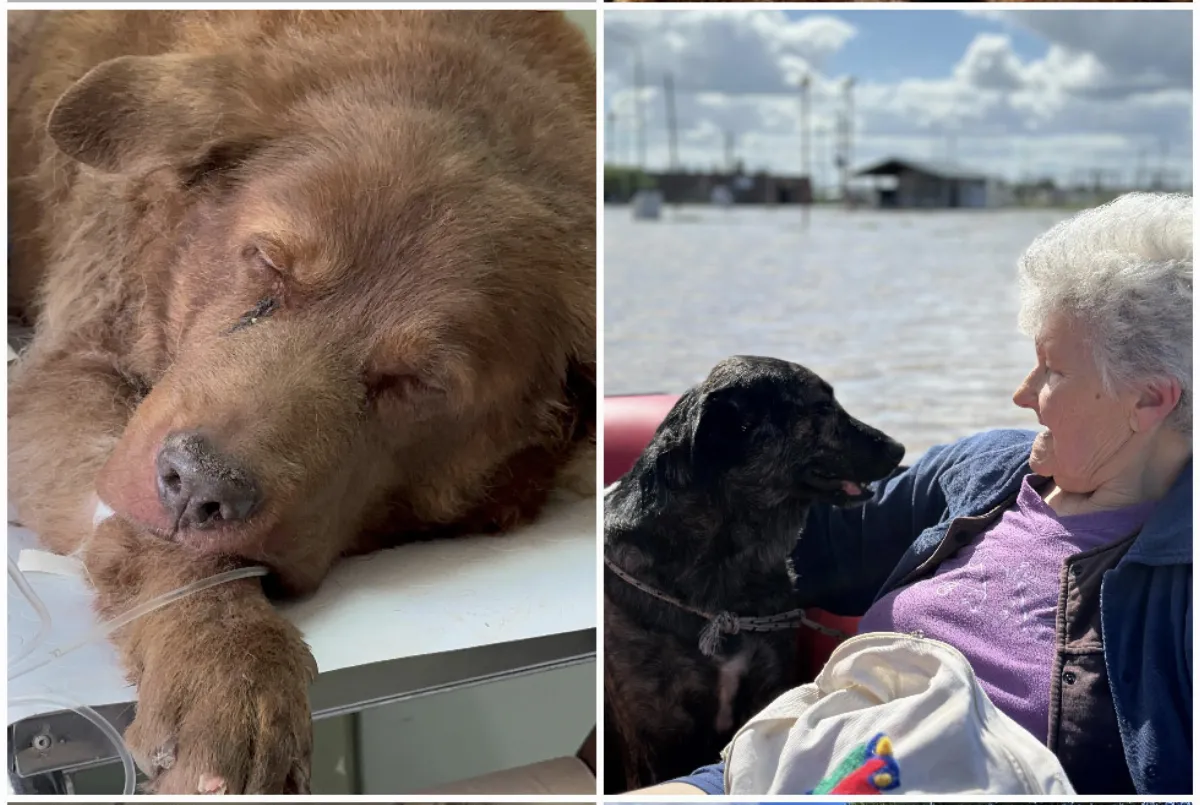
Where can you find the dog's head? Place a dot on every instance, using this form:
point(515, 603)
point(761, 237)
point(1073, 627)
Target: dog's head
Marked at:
point(370, 267)
point(771, 433)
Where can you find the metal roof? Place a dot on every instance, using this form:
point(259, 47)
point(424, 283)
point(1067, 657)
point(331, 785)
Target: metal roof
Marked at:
point(939, 169)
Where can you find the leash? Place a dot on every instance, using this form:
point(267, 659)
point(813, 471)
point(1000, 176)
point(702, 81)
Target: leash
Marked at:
point(728, 623)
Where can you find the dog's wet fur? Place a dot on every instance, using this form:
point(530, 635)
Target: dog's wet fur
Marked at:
point(709, 515)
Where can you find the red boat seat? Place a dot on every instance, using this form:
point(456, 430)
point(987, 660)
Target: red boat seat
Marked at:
point(629, 423)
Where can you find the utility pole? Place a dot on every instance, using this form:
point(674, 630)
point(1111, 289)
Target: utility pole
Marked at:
point(669, 86)
point(1163, 149)
point(639, 82)
point(610, 138)
point(850, 120)
point(840, 154)
point(823, 137)
point(846, 131)
point(806, 142)
point(729, 151)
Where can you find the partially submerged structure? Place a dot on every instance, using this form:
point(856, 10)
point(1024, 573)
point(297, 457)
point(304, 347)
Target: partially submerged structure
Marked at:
point(901, 183)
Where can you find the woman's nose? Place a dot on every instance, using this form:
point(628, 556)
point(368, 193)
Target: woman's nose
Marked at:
point(1025, 396)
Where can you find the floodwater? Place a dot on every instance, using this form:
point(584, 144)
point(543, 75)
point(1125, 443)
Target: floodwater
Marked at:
point(911, 316)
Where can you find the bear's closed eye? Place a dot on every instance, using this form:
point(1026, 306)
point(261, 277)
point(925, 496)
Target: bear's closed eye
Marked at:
point(264, 308)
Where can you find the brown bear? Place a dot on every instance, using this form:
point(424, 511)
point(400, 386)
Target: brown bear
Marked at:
point(304, 284)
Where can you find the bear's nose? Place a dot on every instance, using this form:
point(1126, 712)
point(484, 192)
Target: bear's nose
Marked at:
point(201, 488)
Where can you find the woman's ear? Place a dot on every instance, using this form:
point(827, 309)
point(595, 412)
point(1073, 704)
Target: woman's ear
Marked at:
point(1157, 398)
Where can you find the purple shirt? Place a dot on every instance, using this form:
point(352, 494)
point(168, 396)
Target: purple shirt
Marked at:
point(996, 600)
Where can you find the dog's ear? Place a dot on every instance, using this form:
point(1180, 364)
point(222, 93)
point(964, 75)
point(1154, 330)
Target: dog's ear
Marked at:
point(671, 473)
point(136, 113)
point(719, 432)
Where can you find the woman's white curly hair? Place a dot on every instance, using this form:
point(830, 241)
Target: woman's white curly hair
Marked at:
point(1123, 271)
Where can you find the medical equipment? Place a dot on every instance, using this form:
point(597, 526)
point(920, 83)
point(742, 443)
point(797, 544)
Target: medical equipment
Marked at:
point(19, 666)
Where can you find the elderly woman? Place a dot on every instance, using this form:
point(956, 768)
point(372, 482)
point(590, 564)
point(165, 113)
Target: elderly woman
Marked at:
point(1059, 564)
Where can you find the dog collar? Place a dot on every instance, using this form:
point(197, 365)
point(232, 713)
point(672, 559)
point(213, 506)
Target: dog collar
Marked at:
point(727, 623)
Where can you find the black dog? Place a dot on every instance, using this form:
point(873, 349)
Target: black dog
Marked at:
point(707, 518)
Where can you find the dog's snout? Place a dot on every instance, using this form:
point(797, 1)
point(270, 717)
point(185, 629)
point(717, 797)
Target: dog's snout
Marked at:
point(199, 487)
point(878, 453)
point(895, 450)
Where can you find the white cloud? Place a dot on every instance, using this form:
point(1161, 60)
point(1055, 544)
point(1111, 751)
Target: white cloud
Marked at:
point(1142, 50)
point(989, 63)
point(723, 49)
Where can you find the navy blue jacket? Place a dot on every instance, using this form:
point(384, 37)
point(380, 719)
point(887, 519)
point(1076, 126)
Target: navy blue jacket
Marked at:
point(849, 558)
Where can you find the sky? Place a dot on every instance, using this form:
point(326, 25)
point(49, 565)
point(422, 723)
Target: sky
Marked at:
point(1018, 94)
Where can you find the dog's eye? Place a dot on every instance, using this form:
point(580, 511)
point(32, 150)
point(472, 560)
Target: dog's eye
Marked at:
point(266, 262)
point(825, 409)
point(265, 307)
point(266, 258)
point(398, 385)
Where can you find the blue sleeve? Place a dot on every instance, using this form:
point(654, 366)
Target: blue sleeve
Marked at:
point(1187, 648)
point(844, 556)
point(709, 779)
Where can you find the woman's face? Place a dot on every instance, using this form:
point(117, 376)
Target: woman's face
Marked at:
point(1085, 427)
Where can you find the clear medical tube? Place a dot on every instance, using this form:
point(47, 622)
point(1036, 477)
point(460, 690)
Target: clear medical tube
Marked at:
point(101, 632)
point(18, 578)
point(101, 723)
point(105, 629)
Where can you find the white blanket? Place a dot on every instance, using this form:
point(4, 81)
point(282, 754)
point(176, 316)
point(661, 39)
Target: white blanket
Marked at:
point(419, 599)
point(946, 737)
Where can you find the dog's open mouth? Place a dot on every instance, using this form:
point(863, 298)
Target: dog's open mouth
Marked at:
point(842, 490)
point(852, 489)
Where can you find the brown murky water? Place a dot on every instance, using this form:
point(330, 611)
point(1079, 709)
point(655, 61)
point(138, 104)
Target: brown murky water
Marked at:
point(910, 315)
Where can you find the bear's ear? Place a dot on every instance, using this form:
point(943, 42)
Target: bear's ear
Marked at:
point(581, 391)
point(140, 112)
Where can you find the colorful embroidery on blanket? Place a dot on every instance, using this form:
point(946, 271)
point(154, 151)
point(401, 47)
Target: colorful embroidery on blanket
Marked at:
point(868, 769)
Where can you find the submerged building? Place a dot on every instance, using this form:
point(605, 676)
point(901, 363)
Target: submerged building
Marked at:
point(681, 187)
point(901, 183)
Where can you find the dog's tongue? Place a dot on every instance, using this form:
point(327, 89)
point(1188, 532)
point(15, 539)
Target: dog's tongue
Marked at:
point(852, 489)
